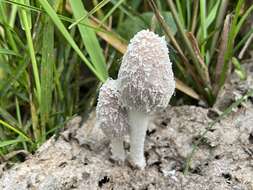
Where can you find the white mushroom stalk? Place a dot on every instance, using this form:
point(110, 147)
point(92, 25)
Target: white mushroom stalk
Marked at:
point(138, 122)
point(146, 86)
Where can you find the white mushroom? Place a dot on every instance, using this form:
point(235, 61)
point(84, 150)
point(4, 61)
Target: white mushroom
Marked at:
point(146, 86)
point(112, 117)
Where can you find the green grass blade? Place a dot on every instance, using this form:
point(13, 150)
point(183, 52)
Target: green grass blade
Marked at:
point(18, 115)
point(22, 5)
point(180, 12)
point(8, 117)
point(47, 68)
point(89, 39)
point(25, 19)
point(195, 4)
point(14, 10)
point(112, 10)
point(10, 142)
point(84, 16)
point(28, 15)
point(210, 17)
point(212, 14)
point(203, 25)
point(219, 20)
point(52, 14)
point(18, 112)
point(17, 131)
point(4, 21)
point(8, 52)
point(129, 12)
point(243, 18)
point(243, 40)
point(14, 77)
point(189, 13)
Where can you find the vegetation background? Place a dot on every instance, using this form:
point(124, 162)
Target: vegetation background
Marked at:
point(54, 55)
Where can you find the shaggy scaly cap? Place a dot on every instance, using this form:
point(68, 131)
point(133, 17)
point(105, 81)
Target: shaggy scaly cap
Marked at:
point(146, 77)
point(111, 116)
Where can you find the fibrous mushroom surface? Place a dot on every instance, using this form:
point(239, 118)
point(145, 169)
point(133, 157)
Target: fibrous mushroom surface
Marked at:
point(111, 116)
point(146, 77)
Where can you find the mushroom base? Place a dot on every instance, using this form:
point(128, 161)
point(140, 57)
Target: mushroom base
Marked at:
point(117, 149)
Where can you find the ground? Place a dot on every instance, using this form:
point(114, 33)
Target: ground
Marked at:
point(80, 157)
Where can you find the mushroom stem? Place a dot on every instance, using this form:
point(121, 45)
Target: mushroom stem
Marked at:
point(138, 122)
point(117, 148)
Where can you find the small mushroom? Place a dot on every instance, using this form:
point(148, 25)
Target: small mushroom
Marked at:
point(112, 117)
point(146, 84)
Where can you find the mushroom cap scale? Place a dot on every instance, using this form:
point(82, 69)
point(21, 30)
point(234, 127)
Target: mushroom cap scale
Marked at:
point(111, 116)
point(146, 77)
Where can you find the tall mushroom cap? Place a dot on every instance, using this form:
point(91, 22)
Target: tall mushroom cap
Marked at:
point(146, 76)
point(111, 116)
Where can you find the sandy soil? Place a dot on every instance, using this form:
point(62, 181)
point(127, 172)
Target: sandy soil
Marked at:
point(80, 157)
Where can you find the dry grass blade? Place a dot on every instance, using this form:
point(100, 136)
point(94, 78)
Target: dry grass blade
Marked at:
point(111, 39)
point(222, 50)
point(186, 89)
point(247, 44)
point(195, 47)
point(106, 34)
